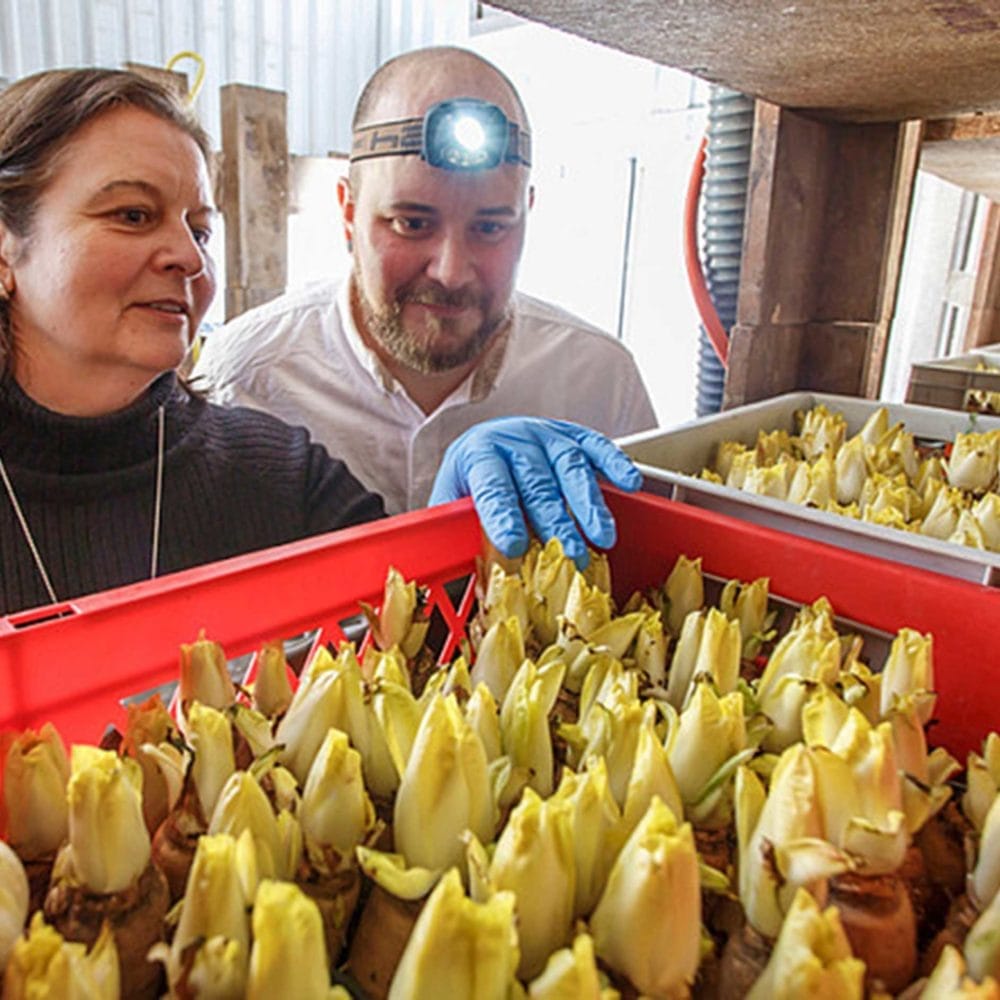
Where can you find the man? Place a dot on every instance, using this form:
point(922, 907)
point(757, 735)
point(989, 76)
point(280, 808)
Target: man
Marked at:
point(427, 335)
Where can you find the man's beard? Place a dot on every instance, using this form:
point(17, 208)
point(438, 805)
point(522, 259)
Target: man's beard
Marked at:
point(422, 351)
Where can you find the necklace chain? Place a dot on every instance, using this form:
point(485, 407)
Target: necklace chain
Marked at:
point(154, 554)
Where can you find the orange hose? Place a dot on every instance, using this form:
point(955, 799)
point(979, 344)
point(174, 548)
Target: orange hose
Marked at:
point(696, 276)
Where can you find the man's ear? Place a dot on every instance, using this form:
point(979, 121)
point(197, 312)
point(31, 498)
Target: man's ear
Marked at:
point(345, 198)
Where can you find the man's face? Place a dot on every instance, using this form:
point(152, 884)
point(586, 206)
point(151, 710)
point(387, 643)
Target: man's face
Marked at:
point(435, 257)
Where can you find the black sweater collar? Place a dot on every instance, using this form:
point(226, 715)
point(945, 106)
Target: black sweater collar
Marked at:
point(33, 437)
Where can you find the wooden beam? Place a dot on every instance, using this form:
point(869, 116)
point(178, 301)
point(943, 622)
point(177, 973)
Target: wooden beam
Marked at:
point(254, 195)
point(984, 315)
point(826, 219)
point(984, 126)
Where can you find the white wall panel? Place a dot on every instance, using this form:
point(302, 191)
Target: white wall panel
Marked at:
point(319, 51)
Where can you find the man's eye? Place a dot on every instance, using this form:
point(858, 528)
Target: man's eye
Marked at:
point(201, 236)
point(490, 230)
point(408, 225)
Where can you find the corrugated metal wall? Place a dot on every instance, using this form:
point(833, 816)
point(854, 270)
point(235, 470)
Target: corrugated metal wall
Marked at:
point(319, 52)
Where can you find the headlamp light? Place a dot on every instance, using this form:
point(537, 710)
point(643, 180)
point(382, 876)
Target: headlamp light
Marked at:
point(461, 134)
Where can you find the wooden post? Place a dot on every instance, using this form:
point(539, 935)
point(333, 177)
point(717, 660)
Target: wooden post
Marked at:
point(984, 316)
point(826, 217)
point(254, 195)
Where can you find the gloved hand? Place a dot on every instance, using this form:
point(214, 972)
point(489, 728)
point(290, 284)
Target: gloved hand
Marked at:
point(541, 465)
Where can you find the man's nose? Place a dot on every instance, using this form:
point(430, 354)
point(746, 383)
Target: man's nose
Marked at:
point(451, 263)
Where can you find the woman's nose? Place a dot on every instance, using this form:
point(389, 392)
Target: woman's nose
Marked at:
point(182, 251)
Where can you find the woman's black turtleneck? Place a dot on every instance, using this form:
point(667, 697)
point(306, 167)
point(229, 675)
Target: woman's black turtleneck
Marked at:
point(235, 480)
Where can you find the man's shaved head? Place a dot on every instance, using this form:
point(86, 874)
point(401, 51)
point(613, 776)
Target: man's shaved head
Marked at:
point(407, 85)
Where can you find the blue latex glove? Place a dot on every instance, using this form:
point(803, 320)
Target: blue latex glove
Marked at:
point(543, 466)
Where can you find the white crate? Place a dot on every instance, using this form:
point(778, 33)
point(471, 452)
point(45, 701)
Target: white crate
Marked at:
point(950, 382)
point(671, 461)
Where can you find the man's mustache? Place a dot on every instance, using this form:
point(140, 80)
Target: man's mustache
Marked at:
point(430, 296)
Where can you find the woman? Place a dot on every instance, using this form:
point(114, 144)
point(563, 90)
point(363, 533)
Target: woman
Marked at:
point(111, 470)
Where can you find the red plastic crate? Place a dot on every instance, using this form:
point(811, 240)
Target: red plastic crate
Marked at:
point(73, 670)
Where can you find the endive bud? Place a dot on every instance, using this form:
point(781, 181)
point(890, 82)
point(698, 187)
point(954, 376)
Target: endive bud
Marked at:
point(781, 838)
point(459, 948)
point(500, 654)
point(651, 646)
point(109, 846)
point(13, 900)
point(652, 777)
point(204, 674)
point(986, 513)
point(571, 974)
point(931, 470)
point(505, 597)
point(875, 427)
point(746, 603)
point(709, 732)
point(822, 432)
point(811, 958)
point(211, 739)
point(941, 519)
point(242, 805)
point(710, 646)
point(483, 715)
point(618, 634)
point(985, 877)
point(982, 944)
point(968, 532)
point(402, 619)
point(889, 496)
point(726, 452)
point(272, 690)
point(220, 886)
point(587, 608)
point(948, 981)
point(386, 665)
point(289, 947)
point(652, 896)
point(444, 791)
point(772, 446)
point(742, 464)
point(612, 731)
point(685, 590)
point(335, 811)
point(909, 668)
point(398, 716)
point(819, 486)
point(534, 860)
point(850, 470)
point(149, 722)
point(598, 571)
point(34, 787)
point(772, 481)
point(548, 584)
point(972, 464)
point(524, 721)
point(982, 780)
point(42, 964)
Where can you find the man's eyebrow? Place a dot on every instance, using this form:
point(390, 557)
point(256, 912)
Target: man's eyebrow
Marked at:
point(411, 206)
point(500, 211)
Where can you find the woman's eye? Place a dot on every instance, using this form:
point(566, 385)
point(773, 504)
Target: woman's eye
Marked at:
point(133, 216)
point(201, 236)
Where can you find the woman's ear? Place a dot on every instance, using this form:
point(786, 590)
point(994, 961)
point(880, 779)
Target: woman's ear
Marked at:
point(346, 200)
point(9, 244)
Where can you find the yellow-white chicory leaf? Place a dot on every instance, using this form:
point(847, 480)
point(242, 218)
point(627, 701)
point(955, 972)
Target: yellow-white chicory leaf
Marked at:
point(13, 900)
point(811, 958)
point(459, 948)
point(534, 860)
point(571, 974)
point(652, 896)
point(36, 771)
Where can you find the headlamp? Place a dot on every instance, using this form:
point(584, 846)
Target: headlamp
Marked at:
point(461, 134)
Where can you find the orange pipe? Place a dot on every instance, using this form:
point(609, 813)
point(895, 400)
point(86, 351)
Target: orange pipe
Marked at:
point(717, 335)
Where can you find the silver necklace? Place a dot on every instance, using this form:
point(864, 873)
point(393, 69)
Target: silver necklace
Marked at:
point(154, 554)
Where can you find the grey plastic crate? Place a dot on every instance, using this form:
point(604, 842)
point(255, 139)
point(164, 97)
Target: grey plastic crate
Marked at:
point(671, 461)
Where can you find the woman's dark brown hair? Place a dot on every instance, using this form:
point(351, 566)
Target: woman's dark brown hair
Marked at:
point(40, 114)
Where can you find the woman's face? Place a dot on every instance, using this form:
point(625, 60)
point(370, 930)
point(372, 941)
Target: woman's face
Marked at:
point(110, 285)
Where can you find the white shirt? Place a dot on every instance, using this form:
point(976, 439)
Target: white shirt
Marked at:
point(301, 358)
